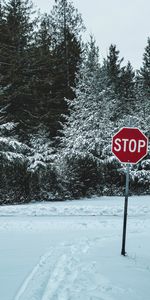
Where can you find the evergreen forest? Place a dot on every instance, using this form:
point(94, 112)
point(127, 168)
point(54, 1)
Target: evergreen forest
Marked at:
point(60, 105)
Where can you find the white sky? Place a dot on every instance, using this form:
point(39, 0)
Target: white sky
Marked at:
point(125, 23)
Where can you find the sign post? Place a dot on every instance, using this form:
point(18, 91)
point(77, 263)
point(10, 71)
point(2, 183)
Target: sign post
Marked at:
point(123, 252)
point(129, 145)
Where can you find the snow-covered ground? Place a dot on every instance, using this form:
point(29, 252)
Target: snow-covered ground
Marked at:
point(71, 250)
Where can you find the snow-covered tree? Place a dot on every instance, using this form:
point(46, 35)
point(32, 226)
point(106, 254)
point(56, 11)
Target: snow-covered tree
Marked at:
point(13, 154)
point(87, 130)
point(140, 173)
point(27, 171)
point(41, 165)
point(11, 150)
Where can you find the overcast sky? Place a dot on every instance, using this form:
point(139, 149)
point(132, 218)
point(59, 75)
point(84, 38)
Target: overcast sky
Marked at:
point(125, 23)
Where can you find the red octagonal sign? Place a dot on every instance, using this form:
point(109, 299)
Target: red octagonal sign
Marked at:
point(129, 145)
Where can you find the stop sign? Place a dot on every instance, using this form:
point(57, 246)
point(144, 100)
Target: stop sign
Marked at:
point(129, 145)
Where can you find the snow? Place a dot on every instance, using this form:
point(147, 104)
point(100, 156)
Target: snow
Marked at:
point(71, 250)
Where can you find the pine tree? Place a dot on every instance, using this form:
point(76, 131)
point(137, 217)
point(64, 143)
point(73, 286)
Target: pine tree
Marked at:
point(122, 81)
point(15, 61)
point(127, 95)
point(143, 85)
point(66, 24)
point(114, 68)
point(42, 74)
point(3, 49)
point(145, 70)
point(49, 82)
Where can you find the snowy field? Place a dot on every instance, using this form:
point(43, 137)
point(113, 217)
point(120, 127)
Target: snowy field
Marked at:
point(71, 250)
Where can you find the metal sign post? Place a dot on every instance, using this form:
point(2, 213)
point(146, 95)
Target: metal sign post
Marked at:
point(123, 252)
point(129, 145)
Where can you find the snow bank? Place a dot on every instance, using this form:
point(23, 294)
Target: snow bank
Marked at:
point(102, 206)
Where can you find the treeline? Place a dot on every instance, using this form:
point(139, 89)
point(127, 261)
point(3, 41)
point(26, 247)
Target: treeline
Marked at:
point(59, 107)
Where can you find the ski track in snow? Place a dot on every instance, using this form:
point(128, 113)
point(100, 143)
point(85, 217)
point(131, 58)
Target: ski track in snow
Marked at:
point(33, 285)
point(61, 275)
